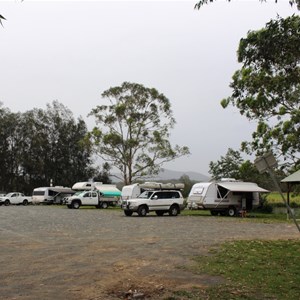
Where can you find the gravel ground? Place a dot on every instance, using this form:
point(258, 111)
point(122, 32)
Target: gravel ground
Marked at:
point(51, 252)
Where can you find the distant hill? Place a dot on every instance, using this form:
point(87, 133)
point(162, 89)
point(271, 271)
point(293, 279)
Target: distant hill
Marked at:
point(166, 174)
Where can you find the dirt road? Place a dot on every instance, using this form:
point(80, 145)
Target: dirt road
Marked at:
point(51, 252)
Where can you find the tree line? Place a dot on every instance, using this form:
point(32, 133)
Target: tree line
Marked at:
point(42, 145)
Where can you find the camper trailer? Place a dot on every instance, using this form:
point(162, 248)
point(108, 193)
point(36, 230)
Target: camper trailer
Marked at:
point(50, 195)
point(134, 190)
point(225, 197)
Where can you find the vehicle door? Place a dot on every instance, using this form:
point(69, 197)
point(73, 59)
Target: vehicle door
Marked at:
point(169, 198)
point(157, 201)
point(14, 198)
point(90, 198)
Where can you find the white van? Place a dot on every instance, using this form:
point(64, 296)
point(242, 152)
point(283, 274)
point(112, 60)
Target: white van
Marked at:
point(225, 197)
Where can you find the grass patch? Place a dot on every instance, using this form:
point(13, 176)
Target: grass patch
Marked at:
point(254, 270)
point(275, 199)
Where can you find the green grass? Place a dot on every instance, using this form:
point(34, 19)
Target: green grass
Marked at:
point(275, 199)
point(250, 270)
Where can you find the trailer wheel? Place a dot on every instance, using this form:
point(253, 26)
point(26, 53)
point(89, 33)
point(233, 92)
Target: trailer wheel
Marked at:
point(142, 211)
point(174, 211)
point(75, 204)
point(25, 202)
point(214, 212)
point(104, 205)
point(231, 211)
point(6, 202)
point(128, 213)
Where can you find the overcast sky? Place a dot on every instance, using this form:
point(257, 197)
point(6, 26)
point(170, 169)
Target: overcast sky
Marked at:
point(71, 51)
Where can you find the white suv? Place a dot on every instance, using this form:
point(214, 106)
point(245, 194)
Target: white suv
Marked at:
point(160, 201)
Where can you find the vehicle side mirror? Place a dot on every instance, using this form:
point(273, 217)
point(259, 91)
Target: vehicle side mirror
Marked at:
point(155, 197)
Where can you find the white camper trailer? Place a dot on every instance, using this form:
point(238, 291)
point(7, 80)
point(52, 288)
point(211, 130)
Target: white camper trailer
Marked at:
point(134, 190)
point(226, 197)
point(50, 195)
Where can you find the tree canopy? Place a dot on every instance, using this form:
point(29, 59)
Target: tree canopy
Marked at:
point(133, 130)
point(267, 87)
point(232, 165)
point(42, 145)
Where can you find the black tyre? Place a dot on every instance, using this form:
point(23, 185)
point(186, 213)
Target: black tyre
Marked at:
point(142, 211)
point(75, 204)
point(6, 202)
point(128, 213)
point(69, 206)
point(231, 212)
point(159, 213)
point(25, 202)
point(174, 211)
point(214, 212)
point(104, 204)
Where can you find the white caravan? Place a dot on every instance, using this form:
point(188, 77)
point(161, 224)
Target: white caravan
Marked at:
point(134, 190)
point(225, 197)
point(50, 195)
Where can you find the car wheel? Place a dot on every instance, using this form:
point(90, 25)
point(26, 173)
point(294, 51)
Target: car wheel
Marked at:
point(6, 202)
point(159, 212)
point(75, 204)
point(69, 206)
point(128, 213)
point(174, 211)
point(231, 211)
point(104, 205)
point(142, 211)
point(25, 202)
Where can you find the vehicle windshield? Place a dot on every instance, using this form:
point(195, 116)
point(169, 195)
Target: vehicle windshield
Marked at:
point(145, 195)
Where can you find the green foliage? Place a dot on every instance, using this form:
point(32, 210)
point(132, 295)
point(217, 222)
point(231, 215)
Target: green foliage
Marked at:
point(233, 166)
point(254, 270)
point(267, 87)
point(133, 131)
point(227, 167)
point(40, 145)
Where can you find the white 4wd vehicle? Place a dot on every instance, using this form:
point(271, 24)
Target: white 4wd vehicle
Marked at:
point(160, 201)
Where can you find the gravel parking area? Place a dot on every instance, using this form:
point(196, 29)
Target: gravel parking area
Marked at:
point(51, 252)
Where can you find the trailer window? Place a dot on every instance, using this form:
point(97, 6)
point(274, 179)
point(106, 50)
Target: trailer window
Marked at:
point(222, 192)
point(38, 193)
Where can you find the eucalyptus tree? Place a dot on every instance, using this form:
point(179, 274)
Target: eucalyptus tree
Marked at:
point(267, 87)
point(134, 129)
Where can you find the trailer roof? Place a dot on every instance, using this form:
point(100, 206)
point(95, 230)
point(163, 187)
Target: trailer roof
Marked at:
point(242, 187)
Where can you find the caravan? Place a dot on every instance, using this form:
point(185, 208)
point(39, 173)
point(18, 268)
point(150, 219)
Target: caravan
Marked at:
point(225, 197)
point(50, 195)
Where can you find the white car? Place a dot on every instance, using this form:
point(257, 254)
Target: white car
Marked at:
point(15, 198)
point(160, 201)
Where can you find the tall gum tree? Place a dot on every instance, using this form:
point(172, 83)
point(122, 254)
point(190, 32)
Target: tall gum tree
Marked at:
point(133, 131)
point(267, 88)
